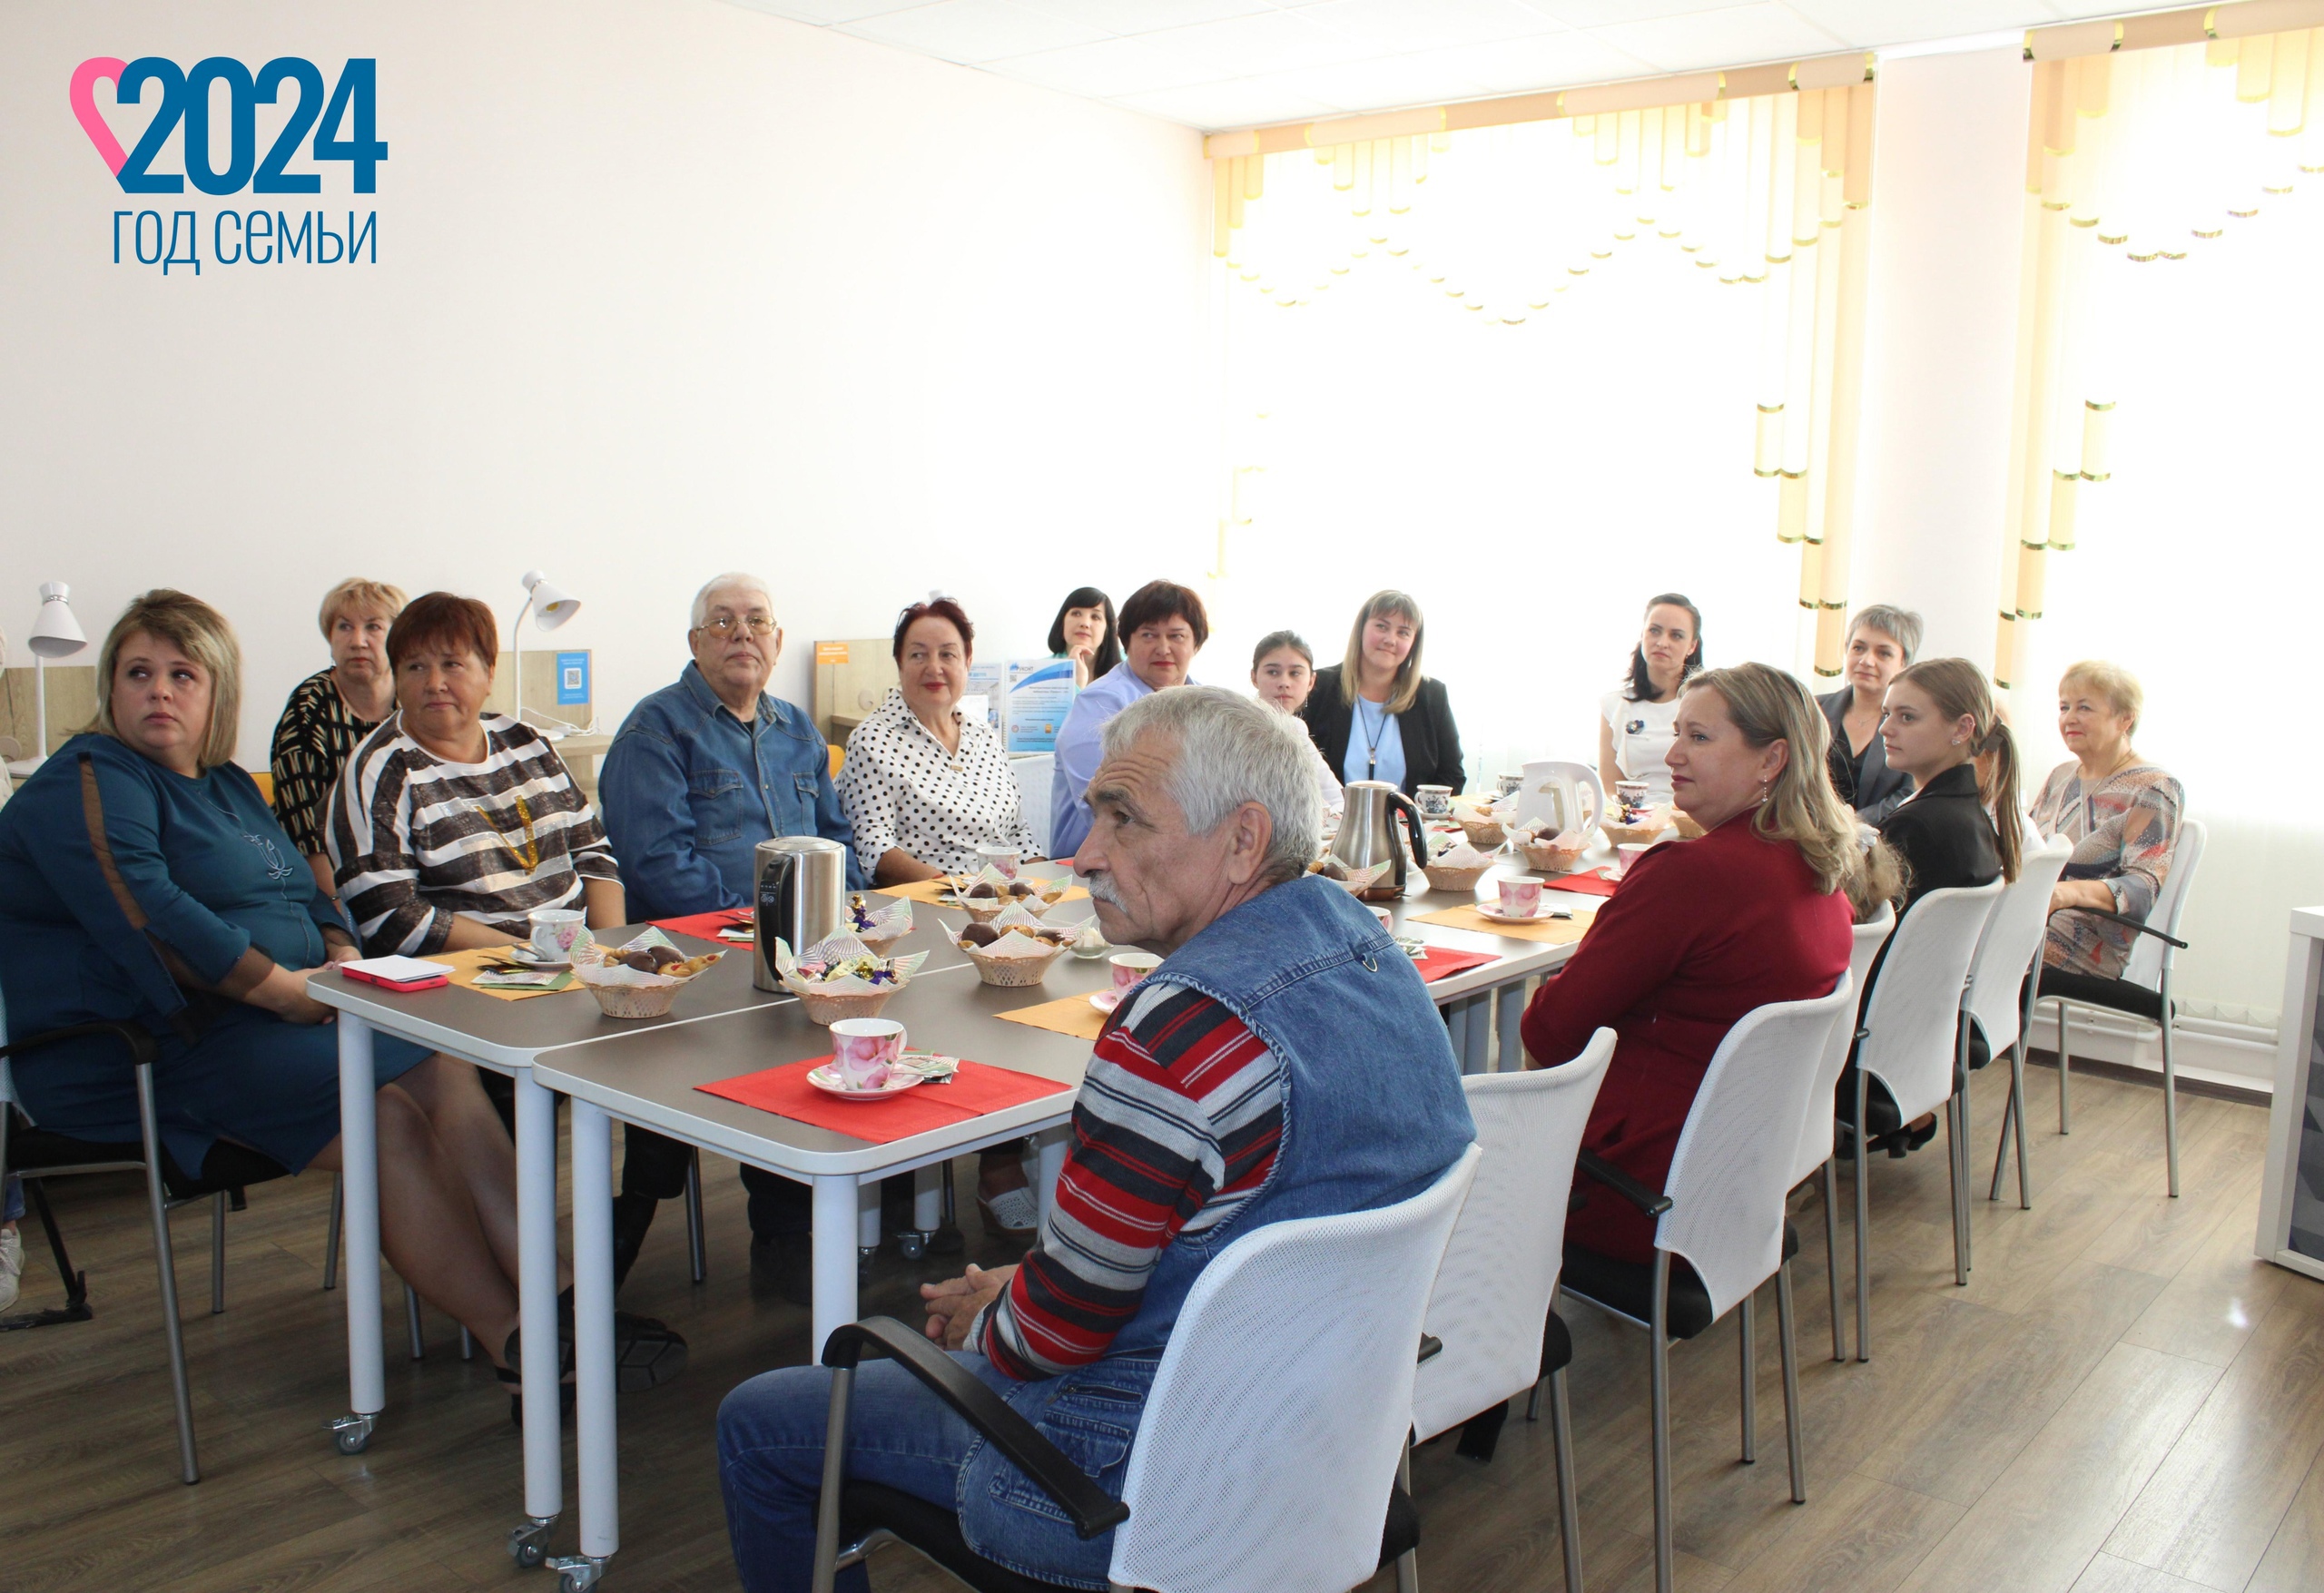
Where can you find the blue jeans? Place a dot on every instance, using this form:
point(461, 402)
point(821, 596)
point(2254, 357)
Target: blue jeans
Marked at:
point(12, 1206)
point(771, 1464)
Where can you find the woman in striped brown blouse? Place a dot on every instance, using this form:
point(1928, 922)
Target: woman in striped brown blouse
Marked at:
point(330, 711)
point(449, 825)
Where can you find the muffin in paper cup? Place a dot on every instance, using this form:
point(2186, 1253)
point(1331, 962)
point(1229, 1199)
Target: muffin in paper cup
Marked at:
point(1457, 869)
point(624, 991)
point(1021, 953)
point(878, 928)
point(840, 977)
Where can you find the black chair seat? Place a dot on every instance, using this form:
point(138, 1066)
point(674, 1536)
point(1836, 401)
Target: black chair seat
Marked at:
point(2115, 995)
point(1557, 1346)
point(1628, 1286)
point(227, 1167)
point(935, 1531)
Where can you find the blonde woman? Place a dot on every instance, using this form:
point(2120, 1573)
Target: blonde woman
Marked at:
point(1374, 715)
point(2122, 813)
point(1702, 931)
point(330, 711)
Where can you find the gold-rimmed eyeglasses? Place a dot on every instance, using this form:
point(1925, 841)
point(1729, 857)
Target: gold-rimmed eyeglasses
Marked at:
point(726, 625)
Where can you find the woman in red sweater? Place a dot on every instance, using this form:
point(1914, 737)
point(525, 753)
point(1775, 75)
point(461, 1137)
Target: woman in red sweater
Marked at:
point(1702, 931)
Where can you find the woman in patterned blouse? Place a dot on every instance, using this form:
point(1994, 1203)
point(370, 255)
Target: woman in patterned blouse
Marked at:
point(2121, 811)
point(923, 784)
point(332, 710)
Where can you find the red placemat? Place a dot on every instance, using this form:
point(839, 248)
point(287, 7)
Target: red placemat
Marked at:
point(704, 926)
point(976, 1089)
point(1442, 963)
point(1588, 882)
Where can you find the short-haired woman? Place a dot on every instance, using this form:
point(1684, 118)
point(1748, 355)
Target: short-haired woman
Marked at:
point(1283, 673)
point(1163, 627)
point(1083, 631)
point(2121, 811)
point(1703, 931)
point(450, 824)
point(1374, 715)
point(1635, 719)
point(924, 785)
point(330, 711)
point(143, 879)
point(1882, 639)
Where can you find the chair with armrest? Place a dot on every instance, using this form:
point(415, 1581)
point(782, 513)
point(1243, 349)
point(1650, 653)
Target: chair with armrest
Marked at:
point(37, 1155)
point(1721, 1212)
point(1247, 1470)
point(1492, 1306)
point(1916, 1043)
point(2000, 1001)
point(1819, 1139)
point(2143, 990)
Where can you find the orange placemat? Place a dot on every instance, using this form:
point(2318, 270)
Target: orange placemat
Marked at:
point(1549, 933)
point(466, 965)
point(931, 892)
point(977, 1088)
point(1067, 1015)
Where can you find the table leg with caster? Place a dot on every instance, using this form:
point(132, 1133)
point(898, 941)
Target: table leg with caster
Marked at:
point(358, 1137)
point(593, 1334)
point(537, 1348)
point(927, 1213)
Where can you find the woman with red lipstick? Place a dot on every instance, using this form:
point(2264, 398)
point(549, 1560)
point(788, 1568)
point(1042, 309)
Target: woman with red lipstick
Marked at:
point(2121, 811)
point(1702, 931)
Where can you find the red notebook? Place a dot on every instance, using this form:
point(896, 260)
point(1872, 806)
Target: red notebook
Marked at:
point(976, 1089)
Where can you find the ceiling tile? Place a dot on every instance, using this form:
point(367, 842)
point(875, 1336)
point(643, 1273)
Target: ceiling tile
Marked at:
point(1402, 27)
point(1606, 13)
point(972, 32)
point(1545, 60)
point(1214, 105)
point(1868, 24)
point(824, 13)
point(1213, 51)
point(1143, 16)
point(1387, 84)
point(1735, 35)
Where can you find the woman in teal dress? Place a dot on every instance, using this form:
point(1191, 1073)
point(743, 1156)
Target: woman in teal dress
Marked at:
point(143, 878)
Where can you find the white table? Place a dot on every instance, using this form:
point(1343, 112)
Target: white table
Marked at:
point(504, 1036)
point(2291, 1200)
point(651, 1080)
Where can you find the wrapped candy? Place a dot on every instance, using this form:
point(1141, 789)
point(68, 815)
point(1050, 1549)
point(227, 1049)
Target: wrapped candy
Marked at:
point(878, 928)
point(841, 977)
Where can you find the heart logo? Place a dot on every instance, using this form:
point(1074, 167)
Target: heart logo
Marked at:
point(84, 107)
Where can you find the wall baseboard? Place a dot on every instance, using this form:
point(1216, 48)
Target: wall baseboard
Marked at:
point(2243, 1060)
point(2190, 1082)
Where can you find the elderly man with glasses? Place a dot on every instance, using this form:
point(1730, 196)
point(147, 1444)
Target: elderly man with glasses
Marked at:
point(700, 772)
point(1284, 1061)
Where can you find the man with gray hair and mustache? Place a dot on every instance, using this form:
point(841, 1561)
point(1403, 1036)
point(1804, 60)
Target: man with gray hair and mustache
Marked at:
point(1284, 1061)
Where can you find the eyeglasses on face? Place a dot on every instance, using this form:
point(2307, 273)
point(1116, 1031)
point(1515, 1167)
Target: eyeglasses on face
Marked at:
point(726, 625)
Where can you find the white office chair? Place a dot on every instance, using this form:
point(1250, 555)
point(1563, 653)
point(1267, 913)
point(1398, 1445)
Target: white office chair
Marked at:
point(1499, 1280)
point(1916, 1043)
point(1722, 1212)
point(2144, 990)
point(2000, 994)
point(1267, 1453)
point(1819, 1137)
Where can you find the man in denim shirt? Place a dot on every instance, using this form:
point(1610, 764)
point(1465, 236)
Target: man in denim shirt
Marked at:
point(700, 773)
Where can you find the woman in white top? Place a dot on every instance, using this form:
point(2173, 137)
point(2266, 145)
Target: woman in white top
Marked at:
point(1636, 719)
point(1283, 673)
point(923, 784)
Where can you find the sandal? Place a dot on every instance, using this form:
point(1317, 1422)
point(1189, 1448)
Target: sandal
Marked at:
point(1014, 1214)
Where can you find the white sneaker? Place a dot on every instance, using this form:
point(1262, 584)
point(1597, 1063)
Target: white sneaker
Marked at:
point(12, 1265)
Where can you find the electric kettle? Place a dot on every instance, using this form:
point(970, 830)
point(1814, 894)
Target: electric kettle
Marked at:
point(1561, 798)
point(1367, 836)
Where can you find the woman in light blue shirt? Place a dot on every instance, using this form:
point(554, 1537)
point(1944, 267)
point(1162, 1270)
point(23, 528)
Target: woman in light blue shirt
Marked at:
point(1163, 627)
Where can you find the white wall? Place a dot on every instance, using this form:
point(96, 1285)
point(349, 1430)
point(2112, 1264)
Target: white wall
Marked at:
point(664, 287)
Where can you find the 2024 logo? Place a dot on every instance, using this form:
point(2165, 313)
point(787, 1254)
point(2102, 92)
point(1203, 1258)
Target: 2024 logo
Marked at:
point(345, 125)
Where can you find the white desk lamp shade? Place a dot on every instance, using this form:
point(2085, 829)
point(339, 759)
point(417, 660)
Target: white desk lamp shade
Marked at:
point(55, 633)
point(551, 608)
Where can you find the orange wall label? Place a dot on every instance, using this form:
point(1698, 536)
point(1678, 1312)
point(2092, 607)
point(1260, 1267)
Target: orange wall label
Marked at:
point(830, 653)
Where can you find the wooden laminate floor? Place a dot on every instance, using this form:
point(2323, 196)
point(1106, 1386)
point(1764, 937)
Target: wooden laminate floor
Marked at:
point(2122, 1400)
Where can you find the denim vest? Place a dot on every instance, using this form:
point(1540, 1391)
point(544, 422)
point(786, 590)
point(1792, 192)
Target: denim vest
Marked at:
point(1372, 1114)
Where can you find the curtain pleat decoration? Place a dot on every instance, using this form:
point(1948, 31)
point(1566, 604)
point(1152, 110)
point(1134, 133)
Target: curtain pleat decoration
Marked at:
point(2135, 157)
point(1509, 223)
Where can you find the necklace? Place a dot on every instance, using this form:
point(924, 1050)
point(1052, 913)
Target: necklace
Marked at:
point(1372, 735)
point(277, 869)
point(531, 854)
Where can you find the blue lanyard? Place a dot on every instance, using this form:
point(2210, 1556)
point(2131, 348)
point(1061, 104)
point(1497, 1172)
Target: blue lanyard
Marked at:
point(1372, 736)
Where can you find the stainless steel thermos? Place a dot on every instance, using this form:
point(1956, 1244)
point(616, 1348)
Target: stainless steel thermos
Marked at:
point(800, 896)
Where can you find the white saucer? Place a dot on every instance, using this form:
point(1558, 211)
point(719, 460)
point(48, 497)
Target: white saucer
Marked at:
point(532, 958)
point(1107, 1000)
point(1544, 912)
point(826, 1078)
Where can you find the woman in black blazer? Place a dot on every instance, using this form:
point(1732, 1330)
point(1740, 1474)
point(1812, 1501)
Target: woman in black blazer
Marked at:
point(1940, 719)
point(1375, 716)
point(1881, 641)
